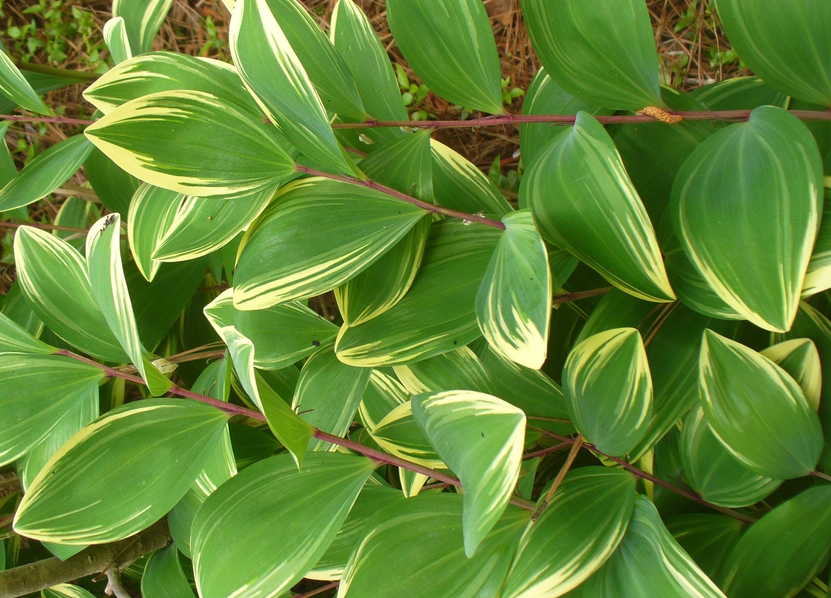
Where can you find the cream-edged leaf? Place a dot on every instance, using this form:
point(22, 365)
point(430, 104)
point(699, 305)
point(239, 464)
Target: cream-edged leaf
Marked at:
point(450, 45)
point(800, 358)
point(193, 142)
point(169, 71)
point(36, 392)
point(602, 52)
point(513, 305)
point(87, 493)
point(142, 20)
point(584, 201)
point(308, 507)
point(460, 185)
point(55, 281)
point(480, 438)
point(818, 275)
point(609, 386)
point(203, 225)
point(272, 70)
point(580, 528)
point(45, 173)
point(649, 562)
point(454, 262)
point(454, 370)
point(151, 214)
point(757, 410)
point(317, 234)
point(109, 287)
point(15, 87)
point(746, 206)
point(118, 43)
point(16, 339)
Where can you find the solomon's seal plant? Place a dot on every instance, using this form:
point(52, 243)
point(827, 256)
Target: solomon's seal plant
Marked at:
point(617, 386)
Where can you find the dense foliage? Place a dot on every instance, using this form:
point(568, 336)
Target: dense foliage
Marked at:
point(484, 416)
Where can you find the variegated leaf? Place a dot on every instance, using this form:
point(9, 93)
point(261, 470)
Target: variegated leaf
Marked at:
point(118, 43)
point(45, 173)
point(454, 262)
point(109, 287)
point(15, 87)
point(55, 281)
point(609, 386)
point(399, 434)
point(272, 71)
point(800, 358)
point(580, 528)
point(16, 339)
point(203, 225)
point(481, 438)
point(164, 577)
point(87, 493)
point(649, 562)
point(193, 142)
point(317, 234)
point(746, 208)
point(169, 71)
point(308, 507)
point(454, 370)
point(36, 392)
point(757, 410)
point(513, 305)
point(818, 275)
point(459, 185)
point(151, 214)
point(583, 201)
point(142, 19)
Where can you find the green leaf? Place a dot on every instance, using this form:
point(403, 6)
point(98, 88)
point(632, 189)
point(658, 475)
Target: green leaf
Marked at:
point(371, 500)
point(459, 185)
point(328, 393)
point(454, 370)
point(317, 234)
point(437, 314)
point(786, 44)
point(673, 356)
point(609, 387)
point(308, 507)
point(740, 93)
point(164, 577)
point(383, 394)
point(616, 309)
point(48, 171)
point(65, 590)
point(118, 43)
point(79, 410)
point(113, 186)
point(272, 71)
point(193, 142)
point(712, 471)
point(16, 339)
point(649, 562)
point(110, 290)
point(281, 335)
point(513, 305)
point(37, 392)
point(754, 249)
point(142, 19)
point(399, 434)
point(818, 276)
point(326, 69)
point(601, 52)
point(530, 390)
point(15, 87)
point(780, 553)
point(578, 531)
point(583, 201)
point(397, 557)
point(292, 432)
point(691, 287)
point(152, 211)
point(757, 410)
point(406, 166)
point(544, 98)
point(481, 439)
point(358, 44)
point(169, 71)
point(87, 493)
point(203, 224)
point(800, 358)
point(55, 281)
point(450, 45)
point(708, 538)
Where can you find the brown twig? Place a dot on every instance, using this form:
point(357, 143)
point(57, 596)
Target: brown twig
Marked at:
point(575, 448)
point(569, 297)
point(320, 590)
